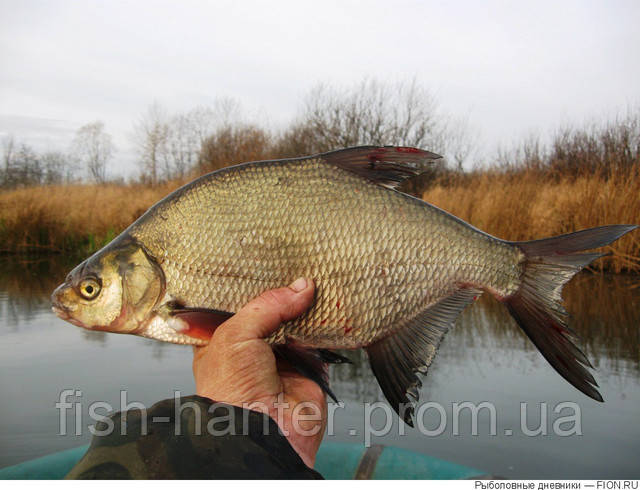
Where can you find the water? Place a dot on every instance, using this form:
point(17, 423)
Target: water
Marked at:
point(484, 359)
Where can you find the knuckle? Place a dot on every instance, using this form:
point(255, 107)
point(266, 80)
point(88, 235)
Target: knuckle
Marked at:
point(274, 297)
point(225, 333)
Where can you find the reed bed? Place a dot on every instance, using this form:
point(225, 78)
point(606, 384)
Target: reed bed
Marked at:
point(72, 218)
point(525, 205)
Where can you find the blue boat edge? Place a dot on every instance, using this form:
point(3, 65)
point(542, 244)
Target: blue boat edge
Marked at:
point(335, 461)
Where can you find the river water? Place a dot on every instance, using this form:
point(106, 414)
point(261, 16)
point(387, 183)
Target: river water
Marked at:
point(530, 423)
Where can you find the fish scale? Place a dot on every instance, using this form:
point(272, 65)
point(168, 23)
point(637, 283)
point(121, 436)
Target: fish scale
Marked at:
point(379, 253)
point(391, 272)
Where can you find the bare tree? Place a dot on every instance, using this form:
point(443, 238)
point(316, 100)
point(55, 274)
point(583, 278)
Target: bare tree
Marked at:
point(369, 113)
point(56, 167)
point(8, 147)
point(170, 145)
point(459, 142)
point(183, 145)
point(235, 144)
point(151, 135)
point(22, 166)
point(189, 131)
point(25, 167)
point(223, 112)
point(93, 148)
point(375, 113)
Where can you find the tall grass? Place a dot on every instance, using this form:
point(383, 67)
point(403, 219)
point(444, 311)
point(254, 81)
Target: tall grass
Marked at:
point(526, 206)
point(74, 218)
point(80, 219)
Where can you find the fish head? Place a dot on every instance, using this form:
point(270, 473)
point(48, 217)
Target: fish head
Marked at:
point(114, 290)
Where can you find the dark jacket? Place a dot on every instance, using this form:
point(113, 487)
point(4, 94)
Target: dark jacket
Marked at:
point(190, 437)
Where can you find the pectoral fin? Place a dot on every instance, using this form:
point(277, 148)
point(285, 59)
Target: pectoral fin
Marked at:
point(200, 322)
point(311, 363)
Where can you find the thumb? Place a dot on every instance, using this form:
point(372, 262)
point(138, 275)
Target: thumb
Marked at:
point(264, 314)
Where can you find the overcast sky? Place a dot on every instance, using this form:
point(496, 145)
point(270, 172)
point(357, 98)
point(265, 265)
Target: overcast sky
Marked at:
point(511, 68)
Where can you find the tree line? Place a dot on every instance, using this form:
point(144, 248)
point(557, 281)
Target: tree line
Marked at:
point(91, 149)
point(181, 145)
point(369, 113)
point(176, 145)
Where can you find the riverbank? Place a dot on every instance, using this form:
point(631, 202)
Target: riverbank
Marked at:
point(524, 205)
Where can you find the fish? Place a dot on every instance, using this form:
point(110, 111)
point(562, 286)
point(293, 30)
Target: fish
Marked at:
point(392, 272)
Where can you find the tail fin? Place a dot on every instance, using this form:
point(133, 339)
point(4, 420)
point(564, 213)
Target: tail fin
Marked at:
point(537, 305)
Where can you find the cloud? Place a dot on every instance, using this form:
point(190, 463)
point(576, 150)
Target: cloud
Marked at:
point(507, 67)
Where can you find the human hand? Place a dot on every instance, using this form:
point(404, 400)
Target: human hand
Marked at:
point(239, 368)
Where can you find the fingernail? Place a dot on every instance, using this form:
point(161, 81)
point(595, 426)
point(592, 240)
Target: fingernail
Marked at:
point(299, 284)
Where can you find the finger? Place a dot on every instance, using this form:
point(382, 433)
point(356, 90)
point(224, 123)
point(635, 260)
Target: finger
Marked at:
point(262, 315)
point(199, 351)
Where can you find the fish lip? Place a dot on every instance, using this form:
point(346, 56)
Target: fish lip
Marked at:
point(59, 311)
point(63, 314)
point(58, 306)
point(54, 298)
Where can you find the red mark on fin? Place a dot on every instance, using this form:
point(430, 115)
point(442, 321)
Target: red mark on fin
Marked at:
point(557, 328)
point(407, 149)
point(201, 323)
point(375, 155)
point(475, 298)
point(198, 332)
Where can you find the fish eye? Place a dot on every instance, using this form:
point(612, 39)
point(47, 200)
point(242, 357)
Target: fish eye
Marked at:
point(89, 288)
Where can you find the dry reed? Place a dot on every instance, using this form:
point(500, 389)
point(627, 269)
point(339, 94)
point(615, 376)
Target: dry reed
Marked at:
point(80, 219)
point(527, 205)
point(72, 218)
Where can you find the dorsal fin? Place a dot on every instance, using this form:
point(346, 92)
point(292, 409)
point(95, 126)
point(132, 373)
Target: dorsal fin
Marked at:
point(384, 165)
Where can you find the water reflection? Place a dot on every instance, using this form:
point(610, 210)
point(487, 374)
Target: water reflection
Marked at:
point(486, 356)
point(25, 286)
point(605, 314)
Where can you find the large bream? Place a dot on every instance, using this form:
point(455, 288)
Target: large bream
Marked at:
point(392, 272)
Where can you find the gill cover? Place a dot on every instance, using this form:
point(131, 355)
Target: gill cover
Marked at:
point(143, 285)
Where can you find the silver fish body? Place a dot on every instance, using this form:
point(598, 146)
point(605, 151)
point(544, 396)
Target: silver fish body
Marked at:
point(392, 272)
point(378, 257)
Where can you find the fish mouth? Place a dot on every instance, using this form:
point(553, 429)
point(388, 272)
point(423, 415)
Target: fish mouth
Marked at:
point(60, 312)
point(63, 314)
point(58, 307)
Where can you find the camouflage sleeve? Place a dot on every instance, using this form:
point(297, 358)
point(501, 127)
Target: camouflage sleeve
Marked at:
point(190, 437)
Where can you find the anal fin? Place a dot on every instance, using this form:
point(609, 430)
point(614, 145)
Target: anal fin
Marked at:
point(395, 360)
